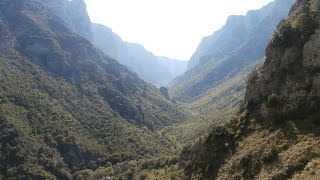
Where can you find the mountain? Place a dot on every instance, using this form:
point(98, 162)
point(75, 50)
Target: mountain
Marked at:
point(174, 67)
point(66, 108)
point(149, 67)
point(236, 46)
point(276, 134)
point(156, 70)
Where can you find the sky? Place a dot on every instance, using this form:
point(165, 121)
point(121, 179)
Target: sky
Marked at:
point(171, 28)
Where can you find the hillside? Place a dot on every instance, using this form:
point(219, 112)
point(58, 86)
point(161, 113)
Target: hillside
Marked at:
point(276, 134)
point(227, 96)
point(215, 108)
point(65, 107)
point(232, 49)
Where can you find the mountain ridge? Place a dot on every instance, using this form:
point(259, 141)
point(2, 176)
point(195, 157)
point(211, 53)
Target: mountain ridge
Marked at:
point(154, 69)
point(229, 51)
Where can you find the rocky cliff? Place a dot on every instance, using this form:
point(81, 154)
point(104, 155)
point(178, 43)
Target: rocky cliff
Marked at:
point(277, 135)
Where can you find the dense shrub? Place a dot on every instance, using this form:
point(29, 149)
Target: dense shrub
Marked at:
point(269, 154)
point(273, 100)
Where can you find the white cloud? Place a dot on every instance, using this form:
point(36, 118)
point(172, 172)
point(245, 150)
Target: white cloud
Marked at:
point(171, 28)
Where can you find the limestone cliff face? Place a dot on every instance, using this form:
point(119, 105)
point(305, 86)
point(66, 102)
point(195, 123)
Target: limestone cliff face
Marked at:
point(277, 135)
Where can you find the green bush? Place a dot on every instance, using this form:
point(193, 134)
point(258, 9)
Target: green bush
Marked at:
point(305, 23)
point(252, 77)
point(297, 29)
point(269, 154)
point(285, 36)
point(273, 100)
point(143, 176)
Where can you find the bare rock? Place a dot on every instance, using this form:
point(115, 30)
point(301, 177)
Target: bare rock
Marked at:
point(311, 52)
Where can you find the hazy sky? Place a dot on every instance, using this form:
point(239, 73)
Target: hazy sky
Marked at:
point(171, 28)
